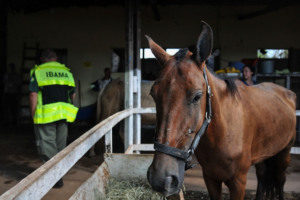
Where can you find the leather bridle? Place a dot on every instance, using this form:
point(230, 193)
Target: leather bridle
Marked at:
point(186, 155)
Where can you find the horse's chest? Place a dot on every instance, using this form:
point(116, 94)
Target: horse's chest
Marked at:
point(217, 165)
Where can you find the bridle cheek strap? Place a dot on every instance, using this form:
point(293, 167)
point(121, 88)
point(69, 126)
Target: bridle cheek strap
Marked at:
point(187, 155)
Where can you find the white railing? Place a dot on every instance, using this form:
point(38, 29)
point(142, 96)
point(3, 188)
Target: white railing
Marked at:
point(39, 182)
point(296, 150)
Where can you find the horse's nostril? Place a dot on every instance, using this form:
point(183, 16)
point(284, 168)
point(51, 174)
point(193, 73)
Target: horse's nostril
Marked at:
point(168, 182)
point(175, 182)
point(171, 182)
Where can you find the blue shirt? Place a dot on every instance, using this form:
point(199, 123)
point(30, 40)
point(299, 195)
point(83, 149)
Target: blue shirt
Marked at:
point(244, 81)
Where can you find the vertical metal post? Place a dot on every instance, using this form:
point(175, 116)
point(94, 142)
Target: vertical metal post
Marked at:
point(137, 72)
point(132, 72)
point(3, 44)
point(108, 142)
point(129, 73)
point(3, 37)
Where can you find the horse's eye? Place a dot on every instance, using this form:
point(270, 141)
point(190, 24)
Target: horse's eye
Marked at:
point(197, 98)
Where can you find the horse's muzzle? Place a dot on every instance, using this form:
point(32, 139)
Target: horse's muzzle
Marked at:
point(168, 177)
point(166, 185)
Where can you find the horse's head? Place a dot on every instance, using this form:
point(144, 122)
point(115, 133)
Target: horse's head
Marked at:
point(180, 94)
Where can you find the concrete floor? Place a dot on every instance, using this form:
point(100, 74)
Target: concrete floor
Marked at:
point(18, 158)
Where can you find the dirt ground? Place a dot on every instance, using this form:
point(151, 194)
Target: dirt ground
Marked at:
point(18, 158)
point(196, 189)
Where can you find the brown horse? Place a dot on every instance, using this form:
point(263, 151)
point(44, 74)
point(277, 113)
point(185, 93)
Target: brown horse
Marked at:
point(111, 100)
point(240, 126)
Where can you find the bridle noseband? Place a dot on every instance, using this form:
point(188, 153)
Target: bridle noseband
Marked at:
point(187, 155)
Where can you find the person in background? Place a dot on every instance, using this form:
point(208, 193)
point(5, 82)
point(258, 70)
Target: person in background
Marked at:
point(248, 73)
point(11, 96)
point(52, 93)
point(98, 85)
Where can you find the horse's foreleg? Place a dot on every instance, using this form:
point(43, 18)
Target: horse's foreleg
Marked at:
point(214, 188)
point(237, 187)
point(275, 176)
point(282, 162)
point(121, 132)
point(261, 184)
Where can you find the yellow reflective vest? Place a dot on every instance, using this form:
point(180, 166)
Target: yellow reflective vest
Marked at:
point(53, 73)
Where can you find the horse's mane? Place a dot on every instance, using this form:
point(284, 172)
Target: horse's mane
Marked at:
point(231, 86)
point(181, 54)
point(230, 83)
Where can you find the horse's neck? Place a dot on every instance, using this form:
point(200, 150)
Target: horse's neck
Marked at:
point(219, 91)
point(219, 94)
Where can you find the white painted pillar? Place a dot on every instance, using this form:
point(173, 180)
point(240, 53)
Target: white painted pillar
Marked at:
point(132, 73)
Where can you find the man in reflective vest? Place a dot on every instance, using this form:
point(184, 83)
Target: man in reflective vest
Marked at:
point(52, 93)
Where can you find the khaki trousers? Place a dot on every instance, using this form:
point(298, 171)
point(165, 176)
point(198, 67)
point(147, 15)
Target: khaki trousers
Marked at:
point(50, 138)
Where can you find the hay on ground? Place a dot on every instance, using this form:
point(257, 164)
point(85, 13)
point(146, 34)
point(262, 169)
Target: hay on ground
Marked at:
point(123, 190)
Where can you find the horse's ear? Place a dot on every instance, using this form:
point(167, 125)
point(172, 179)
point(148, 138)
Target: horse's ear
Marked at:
point(161, 55)
point(204, 44)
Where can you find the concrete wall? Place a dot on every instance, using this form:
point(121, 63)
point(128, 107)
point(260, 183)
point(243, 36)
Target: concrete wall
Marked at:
point(90, 33)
